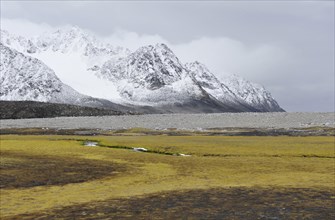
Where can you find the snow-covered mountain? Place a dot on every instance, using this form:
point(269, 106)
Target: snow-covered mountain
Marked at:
point(234, 90)
point(70, 66)
point(152, 75)
point(26, 78)
point(74, 56)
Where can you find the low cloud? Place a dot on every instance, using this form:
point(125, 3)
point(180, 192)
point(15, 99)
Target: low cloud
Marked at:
point(132, 40)
point(25, 28)
point(225, 55)
point(221, 55)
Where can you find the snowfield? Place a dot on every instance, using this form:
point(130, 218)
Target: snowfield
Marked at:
point(180, 121)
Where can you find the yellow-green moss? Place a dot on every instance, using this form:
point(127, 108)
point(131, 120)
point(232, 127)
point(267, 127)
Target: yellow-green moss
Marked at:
point(216, 161)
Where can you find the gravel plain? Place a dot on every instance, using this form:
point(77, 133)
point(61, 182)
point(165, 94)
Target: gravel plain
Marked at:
point(180, 121)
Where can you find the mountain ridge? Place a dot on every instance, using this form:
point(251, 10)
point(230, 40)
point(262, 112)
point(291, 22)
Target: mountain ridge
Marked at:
point(152, 76)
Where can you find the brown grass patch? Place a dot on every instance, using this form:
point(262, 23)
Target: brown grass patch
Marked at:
point(22, 170)
point(219, 203)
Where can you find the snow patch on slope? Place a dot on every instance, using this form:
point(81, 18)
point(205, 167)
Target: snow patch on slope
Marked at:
point(72, 70)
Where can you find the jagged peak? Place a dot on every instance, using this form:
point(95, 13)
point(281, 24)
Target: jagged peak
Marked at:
point(157, 48)
point(234, 78)
point(200, 70)
point(162, 46)
point(159, 54)
point(203, 76)
point(68, 33)
point(4, 32)
point(196, 65)
point(74, 38)
point(75, 28)
point(74, 31)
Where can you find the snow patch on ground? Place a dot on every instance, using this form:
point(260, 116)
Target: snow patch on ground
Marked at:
point(90, 143)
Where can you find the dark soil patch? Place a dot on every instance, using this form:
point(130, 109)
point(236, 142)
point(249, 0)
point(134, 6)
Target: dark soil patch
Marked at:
point(233, 203)
point(20, 170)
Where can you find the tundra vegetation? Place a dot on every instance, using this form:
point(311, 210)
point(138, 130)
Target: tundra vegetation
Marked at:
point(233, 177)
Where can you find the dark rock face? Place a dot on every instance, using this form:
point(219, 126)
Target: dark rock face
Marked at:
point(30, 109)
point(150, 67)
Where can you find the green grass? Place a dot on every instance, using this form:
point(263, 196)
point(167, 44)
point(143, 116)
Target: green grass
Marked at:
point(216, 162)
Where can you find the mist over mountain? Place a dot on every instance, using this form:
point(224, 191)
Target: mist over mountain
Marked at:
point(74, 67)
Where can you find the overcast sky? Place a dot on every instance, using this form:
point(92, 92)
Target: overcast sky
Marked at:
point(287, 46)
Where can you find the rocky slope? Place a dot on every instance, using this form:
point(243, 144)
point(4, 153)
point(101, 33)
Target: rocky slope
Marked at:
point(27, 78)
point(234, 90)
point(152, 75)
point(31, 109)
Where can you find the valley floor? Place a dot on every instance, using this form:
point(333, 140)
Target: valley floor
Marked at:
point(283, 120)
point(236, 177)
